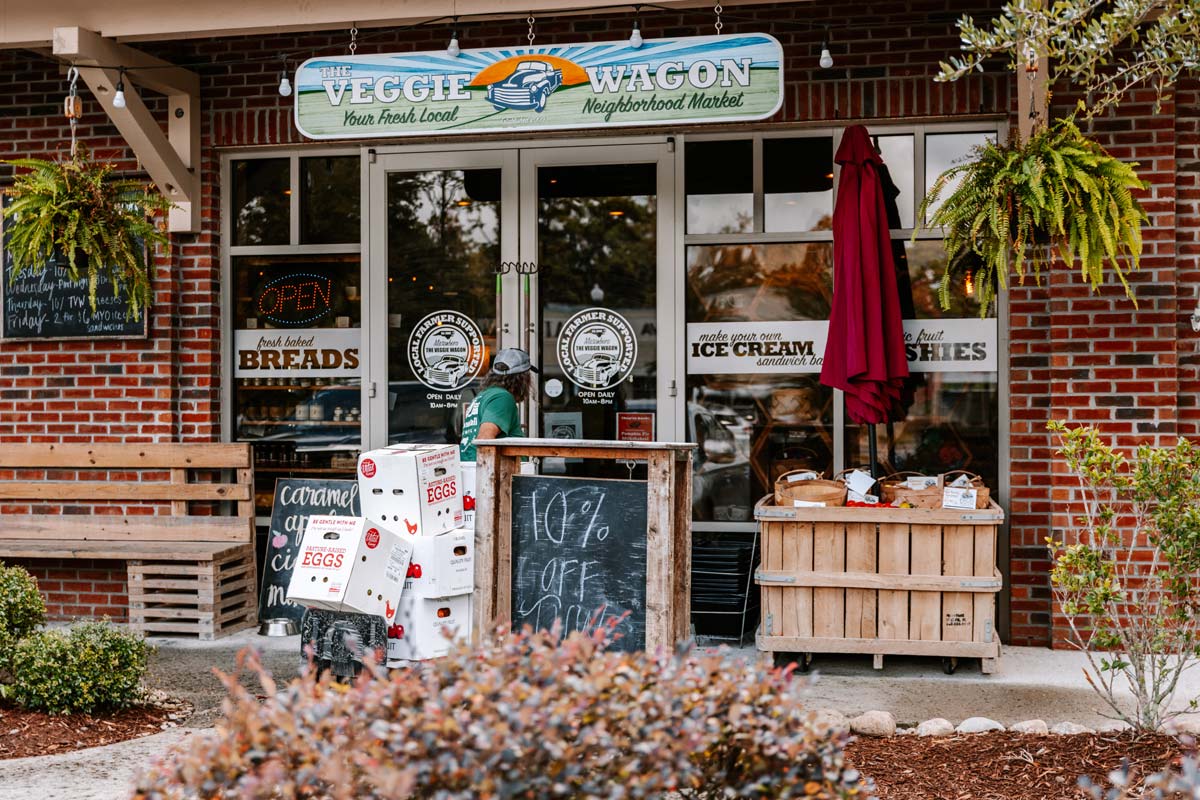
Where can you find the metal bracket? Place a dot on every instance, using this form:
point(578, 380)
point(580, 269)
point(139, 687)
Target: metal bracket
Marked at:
point(772, 577)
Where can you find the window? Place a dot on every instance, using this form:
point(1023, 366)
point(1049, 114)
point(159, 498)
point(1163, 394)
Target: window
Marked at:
point(759, 281)
point(296, 315)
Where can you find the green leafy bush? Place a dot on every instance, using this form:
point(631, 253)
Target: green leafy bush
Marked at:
point(1124, 574)
point(529, 715)
point(78, 206)
point(22, 610)
point(93, 666)
point(1016, 204)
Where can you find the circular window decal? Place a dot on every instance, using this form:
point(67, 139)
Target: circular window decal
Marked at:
point(597, 349)
point(445, 351)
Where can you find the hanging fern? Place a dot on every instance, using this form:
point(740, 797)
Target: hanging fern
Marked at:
point(70, 207)
point(1018, 204)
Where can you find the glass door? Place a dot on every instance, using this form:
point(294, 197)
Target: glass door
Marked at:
point(597, 242)
point(442, 227)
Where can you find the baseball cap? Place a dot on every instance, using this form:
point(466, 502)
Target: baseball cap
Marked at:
point(512, 360)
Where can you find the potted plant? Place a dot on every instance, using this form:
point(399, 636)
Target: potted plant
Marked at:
point(75, 210)
point(1015, 205)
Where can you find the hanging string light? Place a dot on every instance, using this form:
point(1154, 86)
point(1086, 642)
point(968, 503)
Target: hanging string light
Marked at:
point(635, 38)
point(453, 49)
point(119, 97)
point(285, 85)
point(826, 60)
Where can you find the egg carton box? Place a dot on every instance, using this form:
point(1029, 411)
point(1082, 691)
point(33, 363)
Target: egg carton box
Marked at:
point(350, 564)
point(415, 489)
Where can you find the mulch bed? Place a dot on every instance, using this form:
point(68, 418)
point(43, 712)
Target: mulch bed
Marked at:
point(33, 733)
point(1004, 766)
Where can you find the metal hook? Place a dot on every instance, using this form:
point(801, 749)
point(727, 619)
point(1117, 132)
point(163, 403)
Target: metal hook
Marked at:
point(531, 34)
point(717, 9)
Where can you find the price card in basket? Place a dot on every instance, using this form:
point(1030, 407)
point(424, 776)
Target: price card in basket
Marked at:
point(953, 497)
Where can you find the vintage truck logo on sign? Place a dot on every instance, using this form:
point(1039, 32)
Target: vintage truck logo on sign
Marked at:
point(694, 79)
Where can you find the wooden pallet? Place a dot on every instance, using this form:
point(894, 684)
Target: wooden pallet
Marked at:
point(208, 598)
point(881, 581)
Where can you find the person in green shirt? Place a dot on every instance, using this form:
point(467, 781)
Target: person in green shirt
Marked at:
point(494, 413)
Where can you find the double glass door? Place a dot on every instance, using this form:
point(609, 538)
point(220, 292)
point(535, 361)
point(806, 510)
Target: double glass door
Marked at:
point(566, 252)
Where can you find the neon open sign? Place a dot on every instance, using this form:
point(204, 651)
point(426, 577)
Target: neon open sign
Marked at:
point(296, 299)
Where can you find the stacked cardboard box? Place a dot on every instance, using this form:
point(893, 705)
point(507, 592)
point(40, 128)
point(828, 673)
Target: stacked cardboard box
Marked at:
point(408, 559)
point(421, 488)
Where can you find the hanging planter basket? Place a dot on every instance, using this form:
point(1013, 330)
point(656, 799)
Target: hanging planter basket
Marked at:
point(75, 213)
point(1016, 205)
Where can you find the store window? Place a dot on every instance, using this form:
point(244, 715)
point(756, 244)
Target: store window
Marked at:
point(757, 311)
point(296, 313)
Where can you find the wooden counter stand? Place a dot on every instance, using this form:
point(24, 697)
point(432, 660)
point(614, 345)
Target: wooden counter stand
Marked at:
point(668, 530)
point(884, 581)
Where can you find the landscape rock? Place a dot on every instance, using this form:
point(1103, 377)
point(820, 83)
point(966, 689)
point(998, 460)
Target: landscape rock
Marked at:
point(829, 719)
point(1189, 726)
point(1115, 726)
point(874, 723)
point(1070, 729)
point(935, 727)
point(978, 725)
point(1035, 727)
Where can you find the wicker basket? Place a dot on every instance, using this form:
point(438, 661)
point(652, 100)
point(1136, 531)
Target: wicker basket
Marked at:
point(983, 496)
point(893, 488)
point(817, 490)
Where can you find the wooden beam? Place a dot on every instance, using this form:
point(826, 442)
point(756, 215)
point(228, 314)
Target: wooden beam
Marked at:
point(171, 159)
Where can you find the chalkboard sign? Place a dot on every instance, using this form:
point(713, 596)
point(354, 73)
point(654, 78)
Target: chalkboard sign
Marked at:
point(49, 305)
point(295, 501)
point(579, 555)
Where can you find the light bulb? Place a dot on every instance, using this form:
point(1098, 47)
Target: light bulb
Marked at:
point(826, 60)
point(453, 49)
point(635, 38)
point(285, 86)
point(119, 97)
point(969, 285)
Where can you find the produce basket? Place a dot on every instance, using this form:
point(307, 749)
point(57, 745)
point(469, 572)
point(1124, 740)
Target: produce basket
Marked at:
point(893, 488)
point(813, 490)
point(983, 496)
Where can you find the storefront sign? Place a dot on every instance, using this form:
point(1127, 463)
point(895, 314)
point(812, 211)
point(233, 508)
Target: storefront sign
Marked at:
point(445, 351)
point(295, 299)
point(695, 79)
point(597, 349)
point(932, 345)
point(311, 353)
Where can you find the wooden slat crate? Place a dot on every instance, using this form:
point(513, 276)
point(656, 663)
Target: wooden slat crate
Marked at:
point(884, 581)
point(207, 598)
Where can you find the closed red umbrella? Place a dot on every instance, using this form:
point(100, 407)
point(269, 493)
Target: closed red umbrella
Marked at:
point(864, 353)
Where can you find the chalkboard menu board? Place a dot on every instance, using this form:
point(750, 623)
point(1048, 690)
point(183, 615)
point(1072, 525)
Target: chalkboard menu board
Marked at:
point(579, 555)
point(295, 501)
point(49, 305)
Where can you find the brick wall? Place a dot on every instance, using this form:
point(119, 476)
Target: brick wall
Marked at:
point(1072, 355)
point(80, 588)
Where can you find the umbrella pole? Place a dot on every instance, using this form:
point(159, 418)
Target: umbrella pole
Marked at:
point(872, 452)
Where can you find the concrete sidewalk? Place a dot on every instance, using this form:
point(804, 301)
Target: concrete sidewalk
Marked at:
point(1029, 683)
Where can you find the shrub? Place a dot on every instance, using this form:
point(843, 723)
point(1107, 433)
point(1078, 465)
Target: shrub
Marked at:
point(92, 667)
point(1181, 783)
point(22, 610)
point(1124, 575)
point(530, 715)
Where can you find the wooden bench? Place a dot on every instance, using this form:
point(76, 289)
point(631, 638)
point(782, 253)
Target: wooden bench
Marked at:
point(168, 510)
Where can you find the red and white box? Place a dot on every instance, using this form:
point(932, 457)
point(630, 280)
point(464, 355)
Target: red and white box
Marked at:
point(428, 628)
point(468, 493)
point(350, 564)
point(414, 489)
point(442, 565)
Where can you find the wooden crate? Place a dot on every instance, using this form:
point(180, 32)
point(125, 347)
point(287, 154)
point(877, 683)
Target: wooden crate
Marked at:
point(209, 598)
point(884, 581)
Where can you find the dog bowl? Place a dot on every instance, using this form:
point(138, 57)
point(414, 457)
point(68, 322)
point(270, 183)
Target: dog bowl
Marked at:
point(277, 626)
